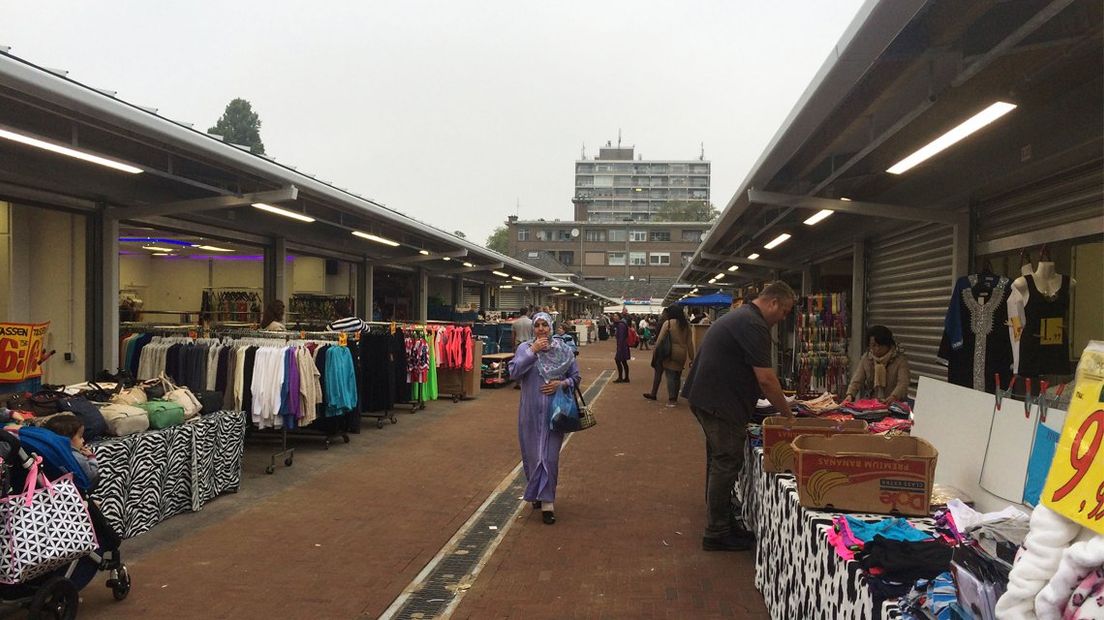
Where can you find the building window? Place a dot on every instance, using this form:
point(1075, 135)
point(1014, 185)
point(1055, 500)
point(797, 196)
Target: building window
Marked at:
point(523, 234)
point(659, 258)
point(661, 235)
point(638, 258)
point(686, 258)
point(616, 258)
point(544, 235)
point(617, 235)
point(563, 235)
point(595, 235)
point(638, 235)
point(692, 235)
point(567, 258)
point(603, 180)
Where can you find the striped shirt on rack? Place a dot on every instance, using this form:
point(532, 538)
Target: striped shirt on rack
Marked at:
point(349, 324)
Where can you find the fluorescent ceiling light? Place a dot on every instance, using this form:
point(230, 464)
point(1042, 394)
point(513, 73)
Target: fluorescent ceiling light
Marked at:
point(211, 248)
point(186, 244)
point(502, 275)
point(713, 280)
point(423, 252)
point(945, 141)
point(734, 268)
point(284, 212)
point(719, 276)
point(777, 241)
point(516, 278)
point(753, 256)
point(154, 248)
point(70, 152)
point(161, 254)
point(376, 238)
point(445, 258)
point(467, 264)
point(506, 286)
point(845, 199)
point(818, 217)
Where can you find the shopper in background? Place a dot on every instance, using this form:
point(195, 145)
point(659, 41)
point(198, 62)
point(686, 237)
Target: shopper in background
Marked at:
point(346, 322)
point(677, 328)
point(621, 355)
point(522, 329)
point(883, 371)
point(273, 318)
point(541, 367)
point(657, 362)
point(732, 367)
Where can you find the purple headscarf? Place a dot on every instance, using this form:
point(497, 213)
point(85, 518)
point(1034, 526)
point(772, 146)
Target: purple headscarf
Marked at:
point(553, 363)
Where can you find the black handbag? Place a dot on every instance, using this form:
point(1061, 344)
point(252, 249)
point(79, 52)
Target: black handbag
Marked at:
point(97, 393)
point(45, 402)
point(94, 424)
point(210, 400)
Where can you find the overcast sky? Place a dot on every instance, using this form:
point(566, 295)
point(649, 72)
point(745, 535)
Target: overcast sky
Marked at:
point(454, 112)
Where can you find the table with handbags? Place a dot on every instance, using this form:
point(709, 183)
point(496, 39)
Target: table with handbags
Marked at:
point(149, 476)
point(796, 569)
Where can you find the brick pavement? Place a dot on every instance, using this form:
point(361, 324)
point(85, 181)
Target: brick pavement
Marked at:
point(341, 533)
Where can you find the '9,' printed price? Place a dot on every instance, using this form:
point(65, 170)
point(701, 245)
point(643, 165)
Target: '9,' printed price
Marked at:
point(1082, 455)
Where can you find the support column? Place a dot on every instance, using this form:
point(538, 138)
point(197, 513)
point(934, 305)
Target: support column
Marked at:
point(960, 253)
point(858, 303)
point(421, 294)
point(276, 283)
point(484, 296)
point(457, 291)
point(103, 292)
point(364, 293)
point(807, 280)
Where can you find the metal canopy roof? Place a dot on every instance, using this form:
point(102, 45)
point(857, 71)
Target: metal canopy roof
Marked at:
point(187, 172)
point(903, 73)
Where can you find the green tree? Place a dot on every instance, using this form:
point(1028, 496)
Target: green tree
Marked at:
point(241, 125)
point(686, 211)
point(499, 241)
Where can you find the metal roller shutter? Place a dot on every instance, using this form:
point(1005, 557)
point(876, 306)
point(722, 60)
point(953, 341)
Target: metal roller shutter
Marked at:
point(1073, 196)
point(908, 285)
point(471, 296)
point(512, 299)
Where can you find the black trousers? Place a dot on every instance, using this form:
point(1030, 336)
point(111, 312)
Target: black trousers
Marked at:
point(724, 454)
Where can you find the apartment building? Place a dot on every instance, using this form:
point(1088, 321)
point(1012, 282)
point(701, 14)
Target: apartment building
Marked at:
point(615, 186)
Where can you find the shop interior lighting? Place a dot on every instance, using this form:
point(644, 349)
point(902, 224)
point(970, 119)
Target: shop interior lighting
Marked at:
point(467, 264)
point(211, 248)
point(376, 238)
point(423, 252)
point(67, 151)
point(777, 241)
point(516, 278)
point(159, 240)
point(945, 141)
point(753, 256)
point(445, 258)
point(155, 248)
point(284, 212)
point(713, 280)
point(845, 199)
point(719, 276)
point(161, 254)
point(500, 274)
point(818, 217)
point(734, 268)
point(506, 286)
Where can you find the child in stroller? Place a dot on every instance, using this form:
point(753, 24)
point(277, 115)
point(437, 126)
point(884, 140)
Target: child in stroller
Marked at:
point(55, 594)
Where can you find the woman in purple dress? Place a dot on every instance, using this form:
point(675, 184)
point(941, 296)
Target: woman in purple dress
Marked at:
point(541, 367)
point(622, 355)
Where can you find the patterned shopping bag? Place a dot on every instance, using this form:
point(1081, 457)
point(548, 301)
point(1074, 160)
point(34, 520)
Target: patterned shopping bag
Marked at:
point(44, 527)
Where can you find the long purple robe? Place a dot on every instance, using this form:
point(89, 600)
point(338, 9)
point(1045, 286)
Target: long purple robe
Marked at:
point(621, 334)
point(540, 446)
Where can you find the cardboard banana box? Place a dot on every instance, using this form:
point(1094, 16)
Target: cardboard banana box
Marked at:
point(865, 473)
point(779, 431)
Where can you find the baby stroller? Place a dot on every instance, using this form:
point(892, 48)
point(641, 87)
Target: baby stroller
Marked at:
point(54, 595)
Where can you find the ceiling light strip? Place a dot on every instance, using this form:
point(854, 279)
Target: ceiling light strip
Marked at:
point(67, 151)
point(945, 141)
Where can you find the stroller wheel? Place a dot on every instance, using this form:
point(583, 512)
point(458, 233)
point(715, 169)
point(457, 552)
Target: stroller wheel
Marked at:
point(57, 599)
point(120, 583)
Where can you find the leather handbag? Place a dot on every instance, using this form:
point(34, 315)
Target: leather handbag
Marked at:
point(89, 414)
point(586, 414)
point(183, 397)
point(130, 396)
point(210, 400)
point(45, 402)
point(97, 393)
point(157, 387)
point(163, 413)
point(124, 419)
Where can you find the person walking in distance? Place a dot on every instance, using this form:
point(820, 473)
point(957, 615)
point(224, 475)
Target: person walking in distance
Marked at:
point(522, 329)
point(677, 329)
point(622, 355)
point(731, 369)
point(542, 367)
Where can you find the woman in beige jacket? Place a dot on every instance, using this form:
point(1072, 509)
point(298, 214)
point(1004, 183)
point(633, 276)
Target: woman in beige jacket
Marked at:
point(883, 372)
point(682, 351)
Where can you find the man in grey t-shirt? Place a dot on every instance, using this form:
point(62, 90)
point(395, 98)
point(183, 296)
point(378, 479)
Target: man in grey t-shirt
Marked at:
point(731, 368)
point(523, 332)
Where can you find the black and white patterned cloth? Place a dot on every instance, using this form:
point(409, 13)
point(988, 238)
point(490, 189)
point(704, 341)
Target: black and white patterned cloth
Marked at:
point(796, 570)
point(148, 477)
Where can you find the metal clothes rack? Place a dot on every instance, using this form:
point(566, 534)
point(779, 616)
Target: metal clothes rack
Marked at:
point(419, 404)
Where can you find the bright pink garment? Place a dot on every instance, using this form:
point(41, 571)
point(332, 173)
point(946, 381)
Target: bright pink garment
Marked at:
point(467, 340)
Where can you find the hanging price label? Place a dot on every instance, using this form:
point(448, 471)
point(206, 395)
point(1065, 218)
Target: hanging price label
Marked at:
point(1075, 484)
point(21, 347)
point(343, 339)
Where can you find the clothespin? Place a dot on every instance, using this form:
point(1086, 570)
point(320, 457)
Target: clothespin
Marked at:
point(1046, 403)
point(1028, 398)
point(1002, 394)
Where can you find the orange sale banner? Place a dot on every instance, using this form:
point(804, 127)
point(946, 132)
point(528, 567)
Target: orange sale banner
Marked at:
point(1075, 484)
point(21, 348)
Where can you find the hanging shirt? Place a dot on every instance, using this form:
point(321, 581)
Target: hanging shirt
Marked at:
point(1044, 343)
point(975, 342)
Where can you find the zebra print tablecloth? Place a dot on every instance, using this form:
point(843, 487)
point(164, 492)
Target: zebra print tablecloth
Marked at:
point(148, 477)
point(796, 570)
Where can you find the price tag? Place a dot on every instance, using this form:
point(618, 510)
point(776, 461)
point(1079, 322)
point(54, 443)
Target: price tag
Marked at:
point(1075, 485)
point(21, 346)
point(343, 339)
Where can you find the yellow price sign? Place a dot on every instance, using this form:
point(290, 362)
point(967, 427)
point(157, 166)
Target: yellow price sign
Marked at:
point(1075, 484)
point(343, 339)
point(21, 348)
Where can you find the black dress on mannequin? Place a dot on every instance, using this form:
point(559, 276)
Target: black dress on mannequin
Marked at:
point(1044, 344)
